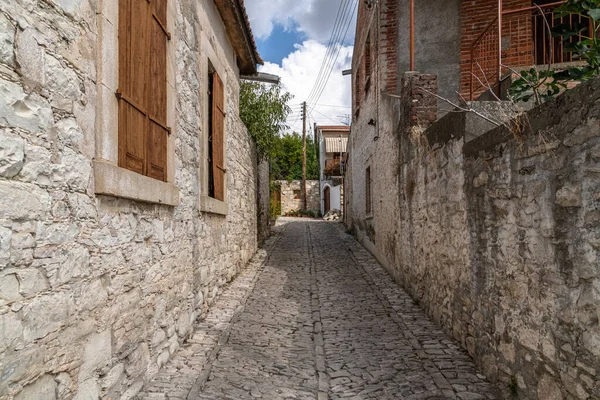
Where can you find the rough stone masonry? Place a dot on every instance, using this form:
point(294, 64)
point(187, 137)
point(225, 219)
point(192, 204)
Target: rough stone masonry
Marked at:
point(97, 292)
point(498, 238)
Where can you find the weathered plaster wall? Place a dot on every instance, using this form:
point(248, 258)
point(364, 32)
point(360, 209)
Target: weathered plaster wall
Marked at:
point(290, 190)
point(97, 292)
point(498, 239)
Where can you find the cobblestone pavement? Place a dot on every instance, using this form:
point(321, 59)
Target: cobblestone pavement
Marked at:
point(322, 320)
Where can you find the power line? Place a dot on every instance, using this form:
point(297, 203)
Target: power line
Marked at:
point(329, 63)
point(332, 40)
point(329, 105)
point(316, 99)
point(331, 119)
point(332, 46)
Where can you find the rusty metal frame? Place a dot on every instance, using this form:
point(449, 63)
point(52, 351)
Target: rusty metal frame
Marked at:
point(497, 23)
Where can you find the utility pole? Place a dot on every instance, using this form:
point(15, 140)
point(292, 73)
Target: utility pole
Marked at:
point(304, 203)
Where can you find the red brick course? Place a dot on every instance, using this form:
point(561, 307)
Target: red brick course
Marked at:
point(476, 15)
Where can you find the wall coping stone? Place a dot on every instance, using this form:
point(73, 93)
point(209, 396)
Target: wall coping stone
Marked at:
point(574, 101)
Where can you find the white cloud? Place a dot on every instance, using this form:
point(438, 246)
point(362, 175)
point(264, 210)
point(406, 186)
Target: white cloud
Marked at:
point(299, 72)
point(313, 17)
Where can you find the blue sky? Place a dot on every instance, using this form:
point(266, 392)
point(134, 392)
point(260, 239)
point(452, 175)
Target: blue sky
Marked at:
point(292, 38)
point(280, 43)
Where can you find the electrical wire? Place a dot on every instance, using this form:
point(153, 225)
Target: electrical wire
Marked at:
point(332, 41)
point(336, 35)
point(318, 96)
point(331, 119)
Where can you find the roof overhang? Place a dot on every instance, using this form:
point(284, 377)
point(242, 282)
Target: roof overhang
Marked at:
point(238, 28)
point(262, 77)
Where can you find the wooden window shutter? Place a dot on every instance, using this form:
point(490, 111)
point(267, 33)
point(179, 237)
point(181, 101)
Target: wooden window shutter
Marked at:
point(218, 132)
point(157, 93)
point(143, 87)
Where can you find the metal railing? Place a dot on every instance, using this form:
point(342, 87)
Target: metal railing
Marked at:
point(517, 38)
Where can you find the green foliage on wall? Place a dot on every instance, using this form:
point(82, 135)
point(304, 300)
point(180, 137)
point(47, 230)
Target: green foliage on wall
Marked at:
point(264, 110)
point(286, 159)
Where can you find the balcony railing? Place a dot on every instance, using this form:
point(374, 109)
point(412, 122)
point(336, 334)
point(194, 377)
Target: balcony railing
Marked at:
point(517, 38)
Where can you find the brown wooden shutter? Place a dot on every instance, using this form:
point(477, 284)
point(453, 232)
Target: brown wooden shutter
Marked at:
point(218, 130)
point(142, 87)
point(157, 93)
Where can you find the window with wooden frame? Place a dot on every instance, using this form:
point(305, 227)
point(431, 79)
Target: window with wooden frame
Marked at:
point(368, 63)
point(142, 89)
point(216, 136)
point(368, 205)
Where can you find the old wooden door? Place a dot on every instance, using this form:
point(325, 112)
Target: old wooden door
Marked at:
point(327, 196)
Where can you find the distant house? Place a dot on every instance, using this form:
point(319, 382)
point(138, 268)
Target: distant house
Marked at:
point(333, 142)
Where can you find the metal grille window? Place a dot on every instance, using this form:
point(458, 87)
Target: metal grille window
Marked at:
point(142, 89)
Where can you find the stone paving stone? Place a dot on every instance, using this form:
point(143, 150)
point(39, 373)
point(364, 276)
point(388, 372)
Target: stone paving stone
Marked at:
point(323, 321)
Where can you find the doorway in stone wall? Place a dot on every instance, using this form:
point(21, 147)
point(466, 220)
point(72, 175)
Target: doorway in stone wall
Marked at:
point(327, 199)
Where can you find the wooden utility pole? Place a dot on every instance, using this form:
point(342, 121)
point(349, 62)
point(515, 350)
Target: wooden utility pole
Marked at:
point(304, 203)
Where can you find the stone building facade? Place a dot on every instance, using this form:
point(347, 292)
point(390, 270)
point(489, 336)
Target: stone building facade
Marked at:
point(291, 195)
point(496, 237)
point(104, 271)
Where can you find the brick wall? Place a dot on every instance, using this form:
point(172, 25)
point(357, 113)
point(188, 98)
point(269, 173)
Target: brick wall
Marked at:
point(381, 22)
point(516, 39)
point(421, 105)
point(388, 48)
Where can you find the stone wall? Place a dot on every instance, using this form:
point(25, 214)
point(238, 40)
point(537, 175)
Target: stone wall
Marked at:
point(291, 195)
point(97, 292)
point(498, 239)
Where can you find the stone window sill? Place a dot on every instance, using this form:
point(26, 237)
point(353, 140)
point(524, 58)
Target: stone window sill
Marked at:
point(213, 206)
point(111, 180)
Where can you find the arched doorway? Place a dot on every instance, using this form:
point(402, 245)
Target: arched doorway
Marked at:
point(327, 199)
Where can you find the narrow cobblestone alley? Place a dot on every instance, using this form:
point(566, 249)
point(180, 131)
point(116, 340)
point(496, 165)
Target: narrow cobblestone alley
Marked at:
point(322, 320)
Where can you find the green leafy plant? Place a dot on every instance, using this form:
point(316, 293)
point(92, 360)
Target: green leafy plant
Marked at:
point(539, 85)
point(588, 47)
point(580, 39)
point(303, 213)
point(264, 110)
point(286, 158)
point(274, 209)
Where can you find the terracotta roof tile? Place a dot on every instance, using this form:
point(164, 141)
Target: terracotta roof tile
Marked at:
point(249, 27)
